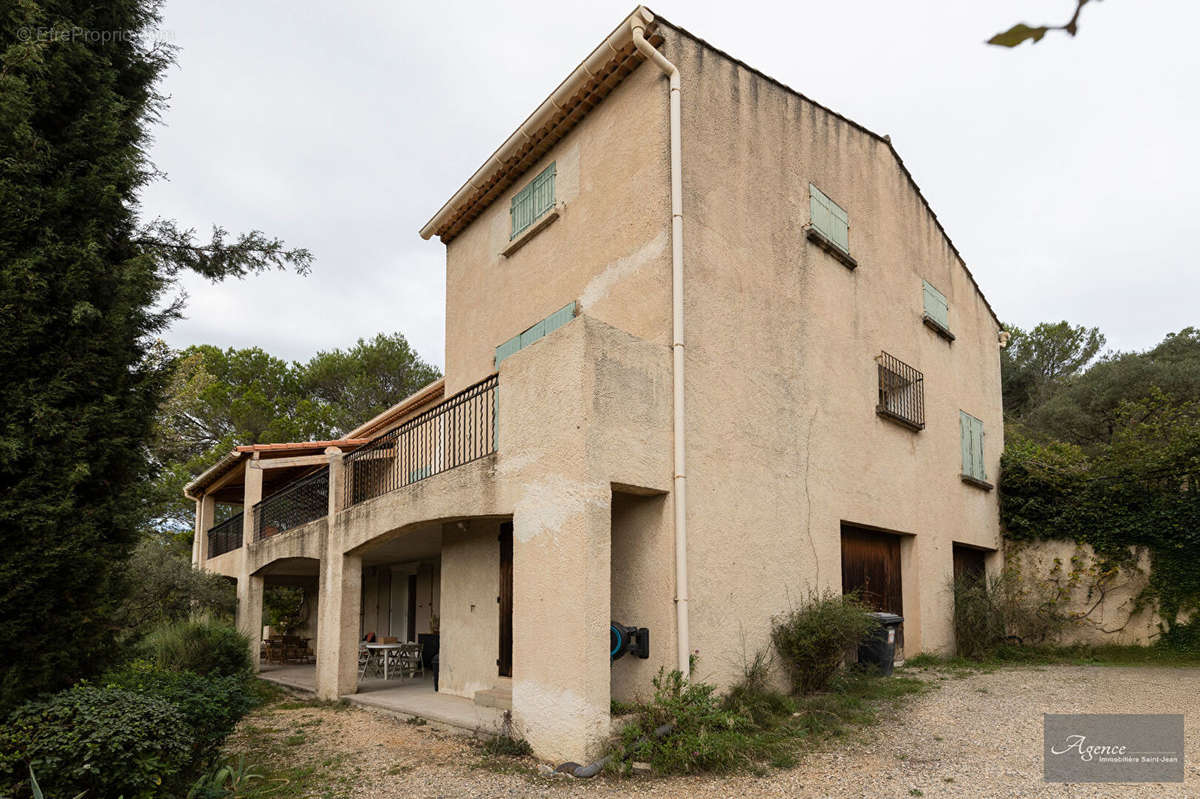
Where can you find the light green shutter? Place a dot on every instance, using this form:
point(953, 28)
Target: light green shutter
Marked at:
point(532, 201)
point(507, 348)
point(543, 328)
point(829, 218)
point(560, 317)
point(936, 307)
point(971, 434)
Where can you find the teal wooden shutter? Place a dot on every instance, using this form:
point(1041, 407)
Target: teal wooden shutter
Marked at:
point(560, 317)
point(829, 218)
point(936, 307)
point(971, 435)
point(507, 348)
point(543, 328)
point(532, 201)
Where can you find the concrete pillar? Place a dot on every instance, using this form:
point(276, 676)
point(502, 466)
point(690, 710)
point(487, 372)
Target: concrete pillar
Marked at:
point(250, 611)
point(206, 508)
point(562, 547)
point(338, 600)
point(253, 494)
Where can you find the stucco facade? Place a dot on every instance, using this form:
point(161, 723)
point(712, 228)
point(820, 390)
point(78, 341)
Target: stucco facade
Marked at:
point(784, 443)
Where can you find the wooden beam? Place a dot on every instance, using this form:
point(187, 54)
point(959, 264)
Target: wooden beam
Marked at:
point(299, 460)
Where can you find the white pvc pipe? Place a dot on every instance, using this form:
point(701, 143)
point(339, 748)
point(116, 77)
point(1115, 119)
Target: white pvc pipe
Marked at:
point(683, 648)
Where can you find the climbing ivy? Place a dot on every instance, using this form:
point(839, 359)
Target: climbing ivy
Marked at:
point(1140, 489)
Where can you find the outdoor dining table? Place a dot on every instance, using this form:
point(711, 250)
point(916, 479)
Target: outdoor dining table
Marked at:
point(383, 650)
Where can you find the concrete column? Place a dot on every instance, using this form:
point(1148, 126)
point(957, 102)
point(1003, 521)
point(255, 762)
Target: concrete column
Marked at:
point(206, 508)
point(338, 600)
point(562, 547)
point(253, 494)
point(250, 611)
point(337, 624)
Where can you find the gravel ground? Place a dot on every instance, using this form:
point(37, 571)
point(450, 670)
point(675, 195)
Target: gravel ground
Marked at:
point(976, 736)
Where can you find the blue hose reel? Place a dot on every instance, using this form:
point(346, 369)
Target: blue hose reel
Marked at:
point(622, 639)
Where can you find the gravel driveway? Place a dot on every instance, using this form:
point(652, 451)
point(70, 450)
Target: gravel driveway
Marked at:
point(976, 736)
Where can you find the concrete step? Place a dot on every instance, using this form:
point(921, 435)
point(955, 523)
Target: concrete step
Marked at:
point(498, 697)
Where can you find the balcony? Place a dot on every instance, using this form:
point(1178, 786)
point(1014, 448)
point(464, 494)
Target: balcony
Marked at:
point(295, 505)
point(459, 430)
point(226, 536)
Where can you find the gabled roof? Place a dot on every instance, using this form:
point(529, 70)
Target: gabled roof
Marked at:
point(583, 90)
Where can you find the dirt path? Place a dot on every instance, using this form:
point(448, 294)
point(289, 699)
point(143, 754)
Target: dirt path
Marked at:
point(976, 736)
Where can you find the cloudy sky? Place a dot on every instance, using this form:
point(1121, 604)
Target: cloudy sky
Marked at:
point(1067, 173)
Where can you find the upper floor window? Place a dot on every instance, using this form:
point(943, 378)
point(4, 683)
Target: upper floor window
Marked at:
point(937, 311)
point(901, 392)
point(532, 201)
point(974, 470)
point(829, 219)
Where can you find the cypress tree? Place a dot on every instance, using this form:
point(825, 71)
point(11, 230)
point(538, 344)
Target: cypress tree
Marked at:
point(85, 287)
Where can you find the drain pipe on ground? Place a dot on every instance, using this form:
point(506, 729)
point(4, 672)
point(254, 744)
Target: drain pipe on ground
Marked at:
point(638, 27)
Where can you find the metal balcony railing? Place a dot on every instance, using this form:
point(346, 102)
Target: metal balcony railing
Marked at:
point(298, 503)
point(225, 537)
point(901, 392)
point(455, 432)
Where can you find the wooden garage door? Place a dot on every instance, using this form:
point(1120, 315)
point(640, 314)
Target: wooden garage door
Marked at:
point(968, 563)
point(871, 566)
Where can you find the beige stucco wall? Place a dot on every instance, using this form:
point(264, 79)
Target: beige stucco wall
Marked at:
point(608, 250)
point(783, 440)
point(470, 622)
point(1101, 606)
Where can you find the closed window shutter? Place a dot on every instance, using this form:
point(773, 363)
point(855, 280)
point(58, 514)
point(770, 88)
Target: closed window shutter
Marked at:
point(936, 307)
point(829, 218)
point(977, 460)
point(971, 433)
point(560, 317)
point(532, 201)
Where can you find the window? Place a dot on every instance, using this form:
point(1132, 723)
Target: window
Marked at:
point(532, 201)
point(901, 392)
point(937, 311)
point(971, 433)
point(543, 328)
point(829, 219)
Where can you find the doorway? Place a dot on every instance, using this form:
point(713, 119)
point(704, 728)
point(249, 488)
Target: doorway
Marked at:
point(871, 567)
point(505, 600)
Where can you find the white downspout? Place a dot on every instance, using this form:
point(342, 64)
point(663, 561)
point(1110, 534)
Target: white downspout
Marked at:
point(681, 580)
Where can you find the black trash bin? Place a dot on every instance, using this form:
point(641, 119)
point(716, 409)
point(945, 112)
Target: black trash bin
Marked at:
point(878, 650)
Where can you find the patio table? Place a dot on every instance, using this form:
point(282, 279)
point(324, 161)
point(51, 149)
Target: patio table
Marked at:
point(382, 650)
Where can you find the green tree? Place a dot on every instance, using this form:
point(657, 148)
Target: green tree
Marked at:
point(1037, 362)
point(218, 399)
point(85, 286)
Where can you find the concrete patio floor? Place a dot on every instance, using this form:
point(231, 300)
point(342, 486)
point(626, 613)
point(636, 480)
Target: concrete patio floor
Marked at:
point(403, 697)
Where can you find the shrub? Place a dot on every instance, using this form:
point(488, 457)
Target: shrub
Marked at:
point(204, 647)
point(211, 706)
point(978, 623)
point(812, 640)
point(1183, 638)
point(703, 735)
point(105, 740)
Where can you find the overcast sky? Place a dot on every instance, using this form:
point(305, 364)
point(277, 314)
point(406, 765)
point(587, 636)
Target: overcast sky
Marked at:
point(1066, 173)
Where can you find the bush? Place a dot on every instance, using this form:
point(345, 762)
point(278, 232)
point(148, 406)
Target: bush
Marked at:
point(211, 706)
point(1183, 638)
point(207, 648)
point(978, 623)
point(703, 734)
point(1006, 609)
point(105, 740)
point(812, 640)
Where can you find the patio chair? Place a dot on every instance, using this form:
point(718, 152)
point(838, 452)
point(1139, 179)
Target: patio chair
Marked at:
point(293, 649)
point(409, 656)
point(368, 663)
point(275, 650)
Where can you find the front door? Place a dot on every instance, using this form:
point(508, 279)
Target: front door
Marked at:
point(505, 599)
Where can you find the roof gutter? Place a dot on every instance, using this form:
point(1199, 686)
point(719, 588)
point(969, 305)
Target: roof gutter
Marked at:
point(637, 28)
point(555, 103)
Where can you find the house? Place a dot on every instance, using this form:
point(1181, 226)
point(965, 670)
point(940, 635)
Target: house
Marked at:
point(707, 348)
